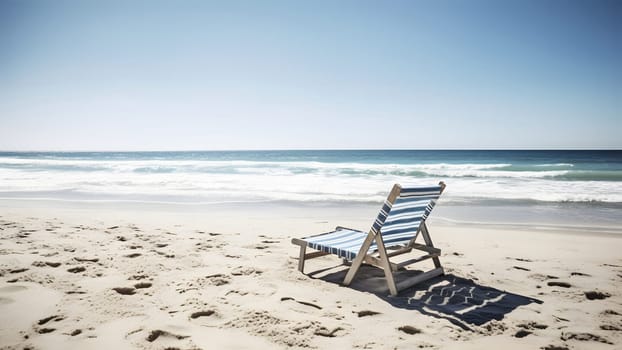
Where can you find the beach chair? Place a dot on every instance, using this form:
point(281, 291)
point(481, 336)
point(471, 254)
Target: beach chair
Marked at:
point(394, 232)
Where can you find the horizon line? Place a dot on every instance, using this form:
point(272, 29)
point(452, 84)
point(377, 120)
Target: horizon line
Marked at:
point(308, 149)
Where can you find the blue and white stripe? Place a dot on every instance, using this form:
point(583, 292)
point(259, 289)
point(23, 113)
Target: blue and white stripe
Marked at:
point(398, 223)
point(345, 243)
point(382, 216)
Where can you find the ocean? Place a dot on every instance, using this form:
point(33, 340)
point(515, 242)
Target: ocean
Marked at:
point(530, 178)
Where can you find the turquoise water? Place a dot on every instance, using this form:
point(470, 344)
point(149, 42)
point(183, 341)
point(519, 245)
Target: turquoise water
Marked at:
point(511, 177)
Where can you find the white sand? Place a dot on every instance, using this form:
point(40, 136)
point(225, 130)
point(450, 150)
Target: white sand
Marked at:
point(226, 278)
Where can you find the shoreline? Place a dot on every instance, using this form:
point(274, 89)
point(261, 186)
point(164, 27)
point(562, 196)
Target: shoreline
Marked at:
point(513, 217)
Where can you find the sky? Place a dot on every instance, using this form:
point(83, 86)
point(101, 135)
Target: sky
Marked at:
point(214, 75)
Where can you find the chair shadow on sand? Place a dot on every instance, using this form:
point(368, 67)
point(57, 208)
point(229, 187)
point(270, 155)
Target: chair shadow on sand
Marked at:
point(461, 301)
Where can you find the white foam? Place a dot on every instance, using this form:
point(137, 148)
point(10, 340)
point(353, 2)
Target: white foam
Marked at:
point(299, 181)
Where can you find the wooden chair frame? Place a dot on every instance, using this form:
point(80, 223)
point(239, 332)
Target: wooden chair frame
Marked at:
point(382, 259)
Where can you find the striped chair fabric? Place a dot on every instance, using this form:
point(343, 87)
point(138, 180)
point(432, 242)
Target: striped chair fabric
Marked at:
point(398, 223)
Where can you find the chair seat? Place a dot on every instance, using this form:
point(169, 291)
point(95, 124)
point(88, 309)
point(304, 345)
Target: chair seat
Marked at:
point(345, 243)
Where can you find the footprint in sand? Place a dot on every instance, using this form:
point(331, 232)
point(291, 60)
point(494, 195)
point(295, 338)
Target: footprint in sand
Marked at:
point(245, 271)
point(125, 290)
point(584, 337)
point(409, 330)
point(580, 274)
point(541, 277)
point(595, 295)
point(46, 330)
point(202, 313)
point(160, 333)
point(521, 268)
point(218, 279)
point(324, 332)
point(532, 325)
point(77, 269)
point(56, 318)
point(142, 285)
point(45, 264)
point(559, 284)
point(522, 333)
point(166, 255)
point(527, 328)
point(306, 303)
point(19, 270)
point(364, 313)
point(137, 277)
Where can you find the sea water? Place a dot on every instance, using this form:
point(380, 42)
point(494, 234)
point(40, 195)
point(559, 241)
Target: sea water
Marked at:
point(559, 179)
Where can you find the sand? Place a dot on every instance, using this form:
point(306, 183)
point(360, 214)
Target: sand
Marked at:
point(147, 277)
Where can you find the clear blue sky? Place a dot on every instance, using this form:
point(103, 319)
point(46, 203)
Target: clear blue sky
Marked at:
point(201, 75)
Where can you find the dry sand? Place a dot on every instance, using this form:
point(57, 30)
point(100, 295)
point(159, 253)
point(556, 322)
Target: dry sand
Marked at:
point(103, 277)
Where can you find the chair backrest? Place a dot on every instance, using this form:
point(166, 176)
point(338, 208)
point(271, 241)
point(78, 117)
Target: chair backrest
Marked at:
point(404, 211)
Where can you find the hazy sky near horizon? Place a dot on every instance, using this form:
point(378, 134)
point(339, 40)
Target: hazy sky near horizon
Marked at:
point(202, 75)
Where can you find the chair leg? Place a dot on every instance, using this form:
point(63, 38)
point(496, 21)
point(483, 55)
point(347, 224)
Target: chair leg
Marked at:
point(386, 266)
point(358, 260)
point(428, 241)
point(301, 259)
